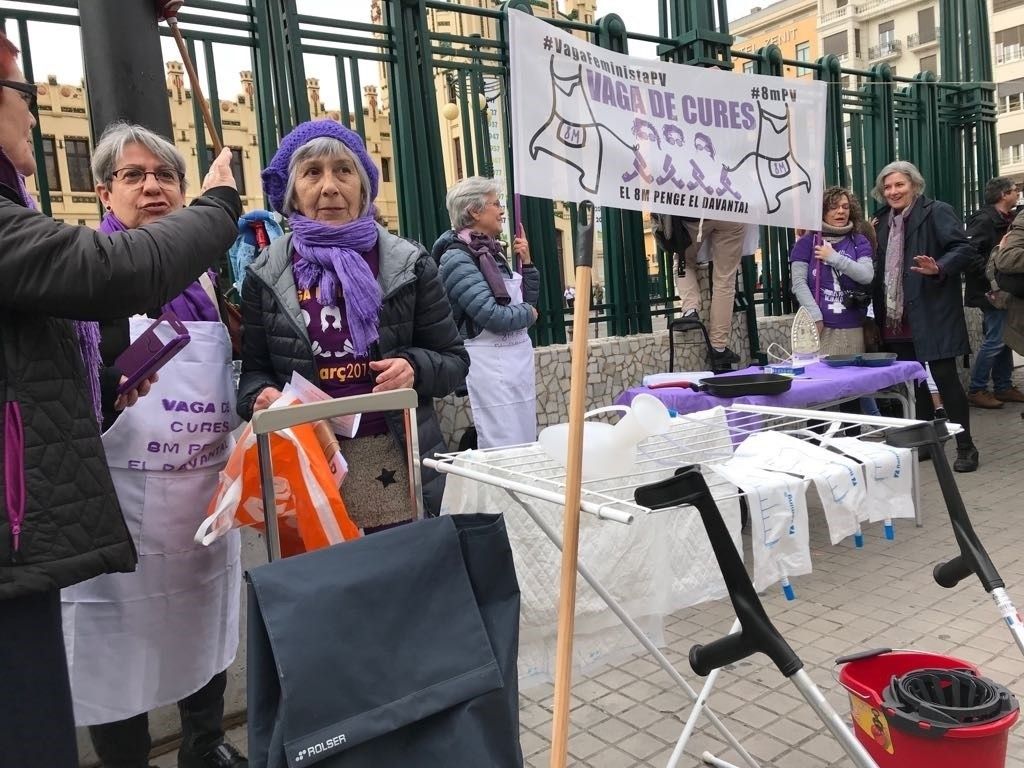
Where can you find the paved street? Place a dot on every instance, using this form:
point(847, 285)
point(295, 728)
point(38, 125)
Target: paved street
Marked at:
point(883, 595)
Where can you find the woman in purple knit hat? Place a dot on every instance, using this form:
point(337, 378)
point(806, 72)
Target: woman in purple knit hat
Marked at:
point(354, 309)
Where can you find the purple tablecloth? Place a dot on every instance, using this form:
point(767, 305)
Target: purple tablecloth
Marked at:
point(819, 384)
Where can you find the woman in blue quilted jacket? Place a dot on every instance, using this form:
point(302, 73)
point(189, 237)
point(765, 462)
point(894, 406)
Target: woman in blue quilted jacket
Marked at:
point(493, 304)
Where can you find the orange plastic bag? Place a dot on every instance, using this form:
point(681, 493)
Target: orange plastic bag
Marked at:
point(311, 513)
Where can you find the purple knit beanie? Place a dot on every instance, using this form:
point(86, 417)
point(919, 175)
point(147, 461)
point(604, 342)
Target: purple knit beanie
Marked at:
point(275, 175)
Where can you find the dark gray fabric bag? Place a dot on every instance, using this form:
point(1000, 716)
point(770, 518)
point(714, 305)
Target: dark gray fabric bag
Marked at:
point(397, 649)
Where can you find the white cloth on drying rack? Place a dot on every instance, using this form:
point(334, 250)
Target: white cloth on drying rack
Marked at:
point(838, 479)
point(660, 564)
point(779, 533)
point(887, 471)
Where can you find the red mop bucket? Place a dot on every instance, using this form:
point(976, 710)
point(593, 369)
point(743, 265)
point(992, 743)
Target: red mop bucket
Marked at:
point(922, 710)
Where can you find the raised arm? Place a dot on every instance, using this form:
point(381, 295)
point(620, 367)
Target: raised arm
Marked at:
point(78, 273)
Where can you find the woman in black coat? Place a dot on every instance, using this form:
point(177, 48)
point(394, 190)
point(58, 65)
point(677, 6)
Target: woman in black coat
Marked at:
point(59, 517)
point(922, 249)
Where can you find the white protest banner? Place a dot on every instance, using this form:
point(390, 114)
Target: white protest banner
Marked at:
point(647, 135)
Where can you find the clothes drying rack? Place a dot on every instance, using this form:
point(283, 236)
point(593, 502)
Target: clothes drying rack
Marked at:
point(528, 475)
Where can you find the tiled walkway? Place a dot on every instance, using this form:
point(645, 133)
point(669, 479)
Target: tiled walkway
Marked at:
point(883, 595)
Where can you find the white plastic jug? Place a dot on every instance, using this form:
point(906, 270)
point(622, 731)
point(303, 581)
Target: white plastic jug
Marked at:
point(609, 450)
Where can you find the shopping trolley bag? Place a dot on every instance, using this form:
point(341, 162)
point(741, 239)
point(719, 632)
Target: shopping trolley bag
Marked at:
point(397, 649)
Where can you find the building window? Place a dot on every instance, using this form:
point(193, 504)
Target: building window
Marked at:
point(748, 67)
point(836, 45)
point(50, 160)
point(930, 64)
point(926, 25)
point(385, 169)
point(886, 32)
point(1008, 45)
point(236, 167)
point(1011, 148)
point(803, 53)
point(457, 155)
point(1010, 96)
point(1003, 5)
point(79, 173)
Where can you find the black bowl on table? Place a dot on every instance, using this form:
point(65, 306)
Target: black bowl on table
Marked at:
point(840, 361)
point(877, 359)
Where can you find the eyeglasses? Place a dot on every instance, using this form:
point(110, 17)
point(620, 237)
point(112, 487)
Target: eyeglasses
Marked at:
point(131, 176)
point(27, 91)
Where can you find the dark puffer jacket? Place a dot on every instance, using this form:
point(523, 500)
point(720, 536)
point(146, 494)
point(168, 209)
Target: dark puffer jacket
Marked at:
point(415, 323)
point(73, 528)
point(473, 304)
point(984, 229)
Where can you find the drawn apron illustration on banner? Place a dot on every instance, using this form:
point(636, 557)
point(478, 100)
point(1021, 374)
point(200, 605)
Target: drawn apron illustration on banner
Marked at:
point(140, 640)
point(502, 383)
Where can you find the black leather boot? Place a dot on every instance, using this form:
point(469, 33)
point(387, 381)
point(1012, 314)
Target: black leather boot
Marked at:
point(966, 458)
point(202, 729)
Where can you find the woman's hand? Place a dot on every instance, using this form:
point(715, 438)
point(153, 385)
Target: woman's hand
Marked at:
point(925, 265)
point(521, 248)
point(220, 174)
point(131, 397)
point(395, 373)
point(824, 251)
point(267, 396)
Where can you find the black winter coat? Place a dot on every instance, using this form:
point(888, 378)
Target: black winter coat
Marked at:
point(51, 273)
point(984, 229)
point(415, 323)
point(933, 303)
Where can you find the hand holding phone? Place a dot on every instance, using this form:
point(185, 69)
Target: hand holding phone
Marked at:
point(151, 351)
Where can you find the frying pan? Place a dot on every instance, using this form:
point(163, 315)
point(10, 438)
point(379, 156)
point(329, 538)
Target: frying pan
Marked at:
point(735, 386)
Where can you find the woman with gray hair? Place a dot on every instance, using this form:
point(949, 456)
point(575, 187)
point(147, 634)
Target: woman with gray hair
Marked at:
point(167, 632)
point(494, 305)
point(922, 249)
point(353, 308)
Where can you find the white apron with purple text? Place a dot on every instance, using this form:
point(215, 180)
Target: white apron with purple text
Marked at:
point(136, 641)
point(501, 382)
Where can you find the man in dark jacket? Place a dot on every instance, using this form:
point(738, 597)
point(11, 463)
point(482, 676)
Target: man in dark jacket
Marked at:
point(985, 229)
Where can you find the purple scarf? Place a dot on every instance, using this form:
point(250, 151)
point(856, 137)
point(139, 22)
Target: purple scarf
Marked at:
point(330, 258)
point(487, 252)
point(88, 333)
point(193, 303)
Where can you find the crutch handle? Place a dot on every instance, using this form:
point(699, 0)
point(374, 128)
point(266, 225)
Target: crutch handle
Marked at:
point(952, 572)
point(719, 653)
point(757, 633)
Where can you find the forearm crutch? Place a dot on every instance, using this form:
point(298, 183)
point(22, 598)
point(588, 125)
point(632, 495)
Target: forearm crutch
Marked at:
point(973, 557)
point(757, 633)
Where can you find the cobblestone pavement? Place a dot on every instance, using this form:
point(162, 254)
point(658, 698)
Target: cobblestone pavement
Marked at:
point(883, 595)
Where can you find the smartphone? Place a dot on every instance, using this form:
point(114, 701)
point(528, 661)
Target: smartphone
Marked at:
point(151, 351)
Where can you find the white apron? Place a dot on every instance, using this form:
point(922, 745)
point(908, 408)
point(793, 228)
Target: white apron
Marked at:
point(136, 641)
point(502, 383)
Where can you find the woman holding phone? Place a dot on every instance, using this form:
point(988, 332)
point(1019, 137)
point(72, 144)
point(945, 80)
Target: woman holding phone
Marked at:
point(832, 271)
point(60, 521)
point(494, 305)
point(166, 633)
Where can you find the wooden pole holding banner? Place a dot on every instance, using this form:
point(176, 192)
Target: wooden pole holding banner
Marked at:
point(573, 485)
point(168, 10)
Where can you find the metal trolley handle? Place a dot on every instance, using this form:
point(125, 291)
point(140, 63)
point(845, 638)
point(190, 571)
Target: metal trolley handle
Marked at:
point(973, 557)
point(274, 419)
point(758, 634)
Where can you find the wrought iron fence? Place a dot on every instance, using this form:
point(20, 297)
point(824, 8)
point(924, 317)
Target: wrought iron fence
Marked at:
point(439, 107)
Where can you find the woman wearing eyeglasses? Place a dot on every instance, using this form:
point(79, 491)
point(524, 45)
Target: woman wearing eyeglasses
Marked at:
point(166, 633)
point(60, 521)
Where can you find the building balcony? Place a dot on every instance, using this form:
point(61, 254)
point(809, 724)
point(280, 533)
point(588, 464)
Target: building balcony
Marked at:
point(865, 9)
point(839, 14)
point(914, 41)
point(886, 49)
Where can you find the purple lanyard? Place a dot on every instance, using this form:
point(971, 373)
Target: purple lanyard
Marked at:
point(14, 471)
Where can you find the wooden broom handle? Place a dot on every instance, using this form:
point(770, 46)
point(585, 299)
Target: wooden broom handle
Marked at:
point(197, 90)
point(571, 523)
